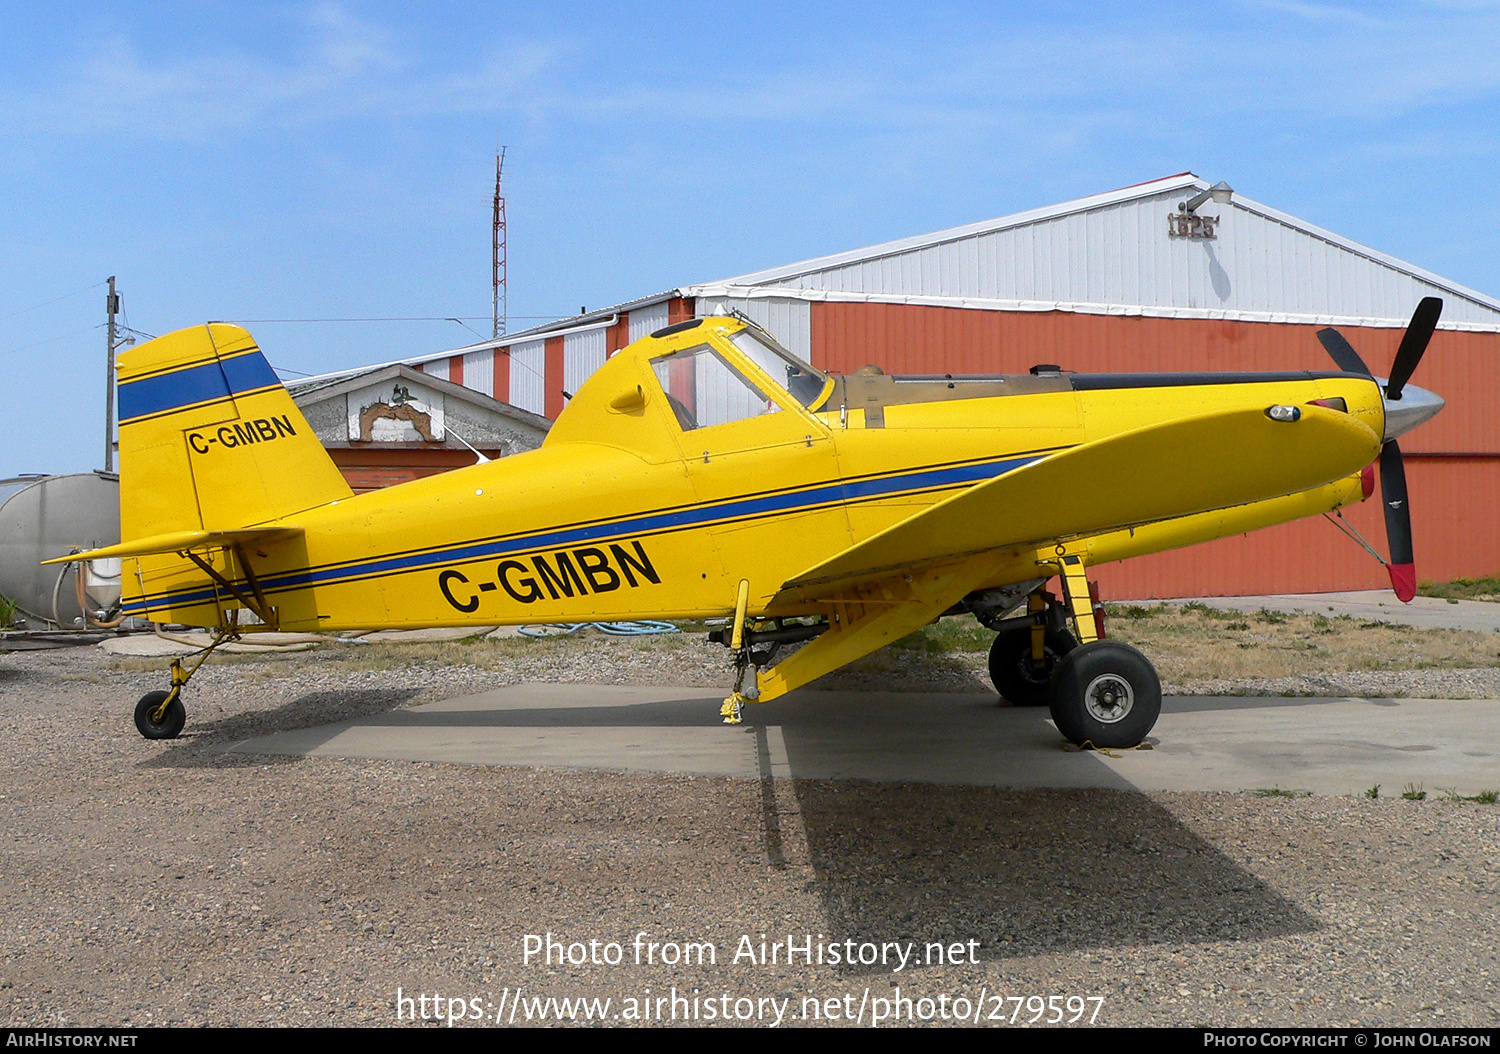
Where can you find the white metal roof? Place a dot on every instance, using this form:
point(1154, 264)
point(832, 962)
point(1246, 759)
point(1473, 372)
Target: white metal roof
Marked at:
point(1112, 254)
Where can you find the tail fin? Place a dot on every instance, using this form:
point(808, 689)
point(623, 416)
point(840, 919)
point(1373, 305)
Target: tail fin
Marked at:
point(210, 440)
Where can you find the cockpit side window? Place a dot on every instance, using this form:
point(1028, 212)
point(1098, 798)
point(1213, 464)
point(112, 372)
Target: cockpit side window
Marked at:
point(705, 390)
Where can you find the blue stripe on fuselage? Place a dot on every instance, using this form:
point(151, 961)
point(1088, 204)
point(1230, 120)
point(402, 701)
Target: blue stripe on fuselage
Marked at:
point(738, 509)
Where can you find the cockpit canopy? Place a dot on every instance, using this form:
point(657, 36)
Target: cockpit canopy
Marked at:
point(704, 388)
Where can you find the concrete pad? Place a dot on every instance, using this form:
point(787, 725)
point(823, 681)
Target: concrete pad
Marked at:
point(150, 646)
point(1328, 746)
point(424, 636)
point(1378, 605)
point(144, 645)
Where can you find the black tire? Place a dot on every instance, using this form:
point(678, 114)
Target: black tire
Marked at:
point(1105, 693)
point(171, 723)
point(1010, 664)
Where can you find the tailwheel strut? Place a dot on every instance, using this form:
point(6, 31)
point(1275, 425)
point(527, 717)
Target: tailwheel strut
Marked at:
point(1103, 693)
point(161, 715)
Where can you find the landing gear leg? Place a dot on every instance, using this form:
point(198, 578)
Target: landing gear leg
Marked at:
point(1026, 651)
point(161, 715)
point(1103, 693)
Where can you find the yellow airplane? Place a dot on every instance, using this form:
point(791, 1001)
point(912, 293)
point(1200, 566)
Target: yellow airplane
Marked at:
point(704, 472)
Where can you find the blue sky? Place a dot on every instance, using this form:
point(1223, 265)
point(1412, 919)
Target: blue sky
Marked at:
point(335, 160)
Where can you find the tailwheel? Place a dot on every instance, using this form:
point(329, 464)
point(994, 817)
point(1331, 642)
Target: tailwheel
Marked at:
point(1015, 674)
point(1106, 694)
point(160, 715)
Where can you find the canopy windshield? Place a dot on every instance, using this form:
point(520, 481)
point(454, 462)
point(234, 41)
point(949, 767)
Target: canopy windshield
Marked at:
point(804, 383)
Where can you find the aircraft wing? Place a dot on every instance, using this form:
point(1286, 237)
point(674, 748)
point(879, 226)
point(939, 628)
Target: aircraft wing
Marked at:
point(182, 541)
point(1214, 461)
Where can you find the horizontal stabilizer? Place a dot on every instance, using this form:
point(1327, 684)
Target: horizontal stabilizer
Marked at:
point(1215, 461)
point(181, 542)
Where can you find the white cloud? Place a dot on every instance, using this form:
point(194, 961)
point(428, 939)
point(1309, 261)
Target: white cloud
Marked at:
point(1297, 61)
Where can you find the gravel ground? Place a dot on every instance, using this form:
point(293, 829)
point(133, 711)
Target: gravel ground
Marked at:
point(152, 884)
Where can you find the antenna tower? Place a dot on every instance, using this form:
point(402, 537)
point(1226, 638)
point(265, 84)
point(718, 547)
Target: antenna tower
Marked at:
point(497, 249)
point(111, 309)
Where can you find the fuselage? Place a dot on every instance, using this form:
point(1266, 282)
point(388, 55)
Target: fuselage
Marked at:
point(633, 507)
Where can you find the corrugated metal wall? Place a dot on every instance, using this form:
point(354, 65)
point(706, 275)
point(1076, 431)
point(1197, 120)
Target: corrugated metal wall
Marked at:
point(647, 320)
point(479, 372)
point(1454, 529)
point(528, 375)
point(583, 353)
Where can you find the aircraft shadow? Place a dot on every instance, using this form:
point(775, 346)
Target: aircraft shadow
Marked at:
point(885, 668)
point(1021, 871)
point(1024, 873)
point(202, 744)
point(903, 838)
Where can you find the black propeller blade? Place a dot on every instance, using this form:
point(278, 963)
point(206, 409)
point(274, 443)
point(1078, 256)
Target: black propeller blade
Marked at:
point(1402, 568)
point(1342, 352)
point(1424, 320)
point(1418, 332)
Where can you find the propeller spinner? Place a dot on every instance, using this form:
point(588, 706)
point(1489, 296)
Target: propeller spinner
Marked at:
point(1405, 408)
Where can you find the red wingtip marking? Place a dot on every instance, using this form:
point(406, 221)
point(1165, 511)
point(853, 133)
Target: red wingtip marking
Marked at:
point(1403, 581)
point(1367, 480)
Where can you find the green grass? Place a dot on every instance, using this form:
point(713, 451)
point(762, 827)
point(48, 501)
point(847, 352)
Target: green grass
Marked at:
point(1414, 792)
point(1373, 792)
point(1462, 588)
point(1136, 611)
point(1217, 614)
point(1277, 792)
point(947, 635)
point(1488, 797)
point(9, 612)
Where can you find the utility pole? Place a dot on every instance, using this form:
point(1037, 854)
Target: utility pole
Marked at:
point(112, 308)
point(497, 251)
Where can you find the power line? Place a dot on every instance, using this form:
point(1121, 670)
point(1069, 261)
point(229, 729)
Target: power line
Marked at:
point(51, 340)
point(411, 318)
point(54, 300)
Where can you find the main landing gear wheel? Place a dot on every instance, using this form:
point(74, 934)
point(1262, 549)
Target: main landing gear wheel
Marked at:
point(1105, 693)
point(154, 721)
point(1011, 668)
